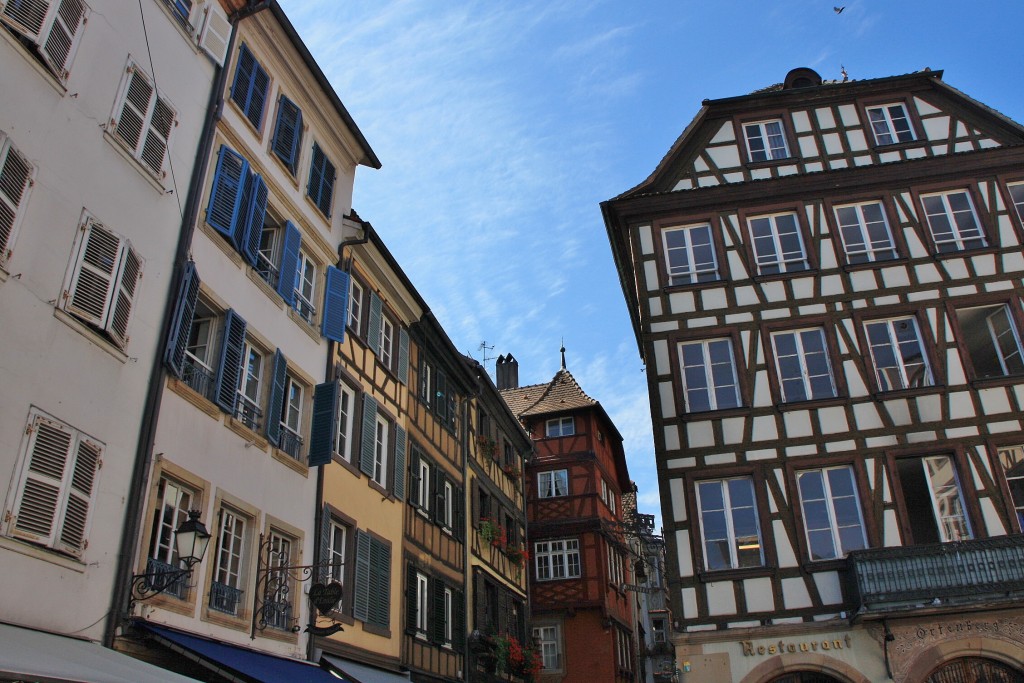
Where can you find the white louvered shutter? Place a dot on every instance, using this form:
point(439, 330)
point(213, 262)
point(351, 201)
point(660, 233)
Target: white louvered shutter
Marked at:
point(215, 33)
point(27, 17)
point(96, 272)
point(15, 181)
point(68, 18)
point(129, 275)
point(134, 113)
point(74, 527)
point(42, 488)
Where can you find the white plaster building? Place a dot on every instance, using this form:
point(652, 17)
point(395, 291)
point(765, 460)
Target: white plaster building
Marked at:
point(102, 108)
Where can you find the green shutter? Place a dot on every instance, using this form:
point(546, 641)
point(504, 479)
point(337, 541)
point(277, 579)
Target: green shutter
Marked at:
point(373, 328)
point(361, 592)
point(369, 435)
point(398, 485)
point(380, 583)
point(411, 604)
point(436, 620)
point(403, 356)
point(325, 423)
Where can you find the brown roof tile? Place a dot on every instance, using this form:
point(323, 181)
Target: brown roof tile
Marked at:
point(560, 394)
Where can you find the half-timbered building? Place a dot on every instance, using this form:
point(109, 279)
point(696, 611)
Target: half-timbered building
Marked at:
point(496, 580)
point(581, 615)
point(824, 279)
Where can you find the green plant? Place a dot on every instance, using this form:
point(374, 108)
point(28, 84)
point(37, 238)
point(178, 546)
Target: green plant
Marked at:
point(487, 445)
point(515, 659)
point(488, 529)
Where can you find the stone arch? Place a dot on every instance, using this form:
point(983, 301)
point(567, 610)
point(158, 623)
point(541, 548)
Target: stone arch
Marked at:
point(778, 665)
point(995, 649)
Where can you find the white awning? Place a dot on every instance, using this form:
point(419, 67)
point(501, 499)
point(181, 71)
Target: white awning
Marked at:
point(351, 672)
point(49, 658)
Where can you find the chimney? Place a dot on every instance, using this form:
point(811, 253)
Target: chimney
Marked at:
point(507, 371)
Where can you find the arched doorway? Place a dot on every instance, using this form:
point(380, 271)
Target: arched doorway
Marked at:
point(807, 677)
point(975, 670)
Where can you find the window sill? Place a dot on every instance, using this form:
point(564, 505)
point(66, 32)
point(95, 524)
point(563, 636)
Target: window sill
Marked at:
point(789, 274)
point(898, 146)
point(38, 552)
point(831, 565)
point(272, 633)
point(238, 622)
point(713, 414)
point(319, 212)
point(170, 603)
point(144, 171)
point(194, 397)
point(249, 435)
point(3, 273)
point(376, 630)
point(222, 243)
point(874, 265)
point(347, 464)
point(965, 253)
point(810, 403)
point(990, 382)
point(304, 325)
point(908, 393)
point(89, 333)
point(690, 286)
point(289, 462)
point(768, 163)
point(262, 284)
point(711, 576)
point(380, 489)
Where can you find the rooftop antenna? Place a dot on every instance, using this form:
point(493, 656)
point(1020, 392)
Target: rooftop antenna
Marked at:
point(485, 348)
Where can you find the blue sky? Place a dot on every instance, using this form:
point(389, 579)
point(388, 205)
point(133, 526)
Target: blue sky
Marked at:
point(501, 126)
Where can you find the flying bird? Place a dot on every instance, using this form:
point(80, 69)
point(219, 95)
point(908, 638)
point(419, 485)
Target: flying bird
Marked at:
point(839, 10)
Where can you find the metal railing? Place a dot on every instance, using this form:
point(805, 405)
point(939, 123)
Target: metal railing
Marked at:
point(291, 443)
point(267, 270)
point(961, 571)
point(176, 583)
point(248, 413)
point(304, 308)
point(224, 598)
point(197, 377)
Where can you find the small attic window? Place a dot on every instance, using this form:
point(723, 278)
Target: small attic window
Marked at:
point(801, 78)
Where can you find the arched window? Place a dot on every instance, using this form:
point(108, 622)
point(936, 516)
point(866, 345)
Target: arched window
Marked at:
point(975, 670)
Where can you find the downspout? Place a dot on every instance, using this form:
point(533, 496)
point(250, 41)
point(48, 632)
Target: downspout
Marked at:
point(134, 506)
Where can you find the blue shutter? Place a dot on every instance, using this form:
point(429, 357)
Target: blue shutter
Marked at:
point(243, 76)
point(327, 188)
point(373, 328)
point(398, 487)
point(361, 594)
point(181, 320)
point(325, 425)
point(230, 368)
point(287, 133)
point(321, 180)
point(249, 228)
point(249, 89)
point(380, 583)
point(332, 323)
point(279, 378)
point(226, 194)
point(289, 263)
point(369, 435)
point(403, 356)
point(257, 96)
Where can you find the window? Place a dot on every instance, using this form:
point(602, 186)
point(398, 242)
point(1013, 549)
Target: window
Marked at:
point(100, 288)
point(865, 233)
point(287, 133)
point(355, 308)
point(992, 339)
point(250, 393)
point(952, 221)
point(553, 484)
point(831, 509)
point(172, 506)
point(380, 451)
point(181, 9)
point(305, 287)
point(377, 449)
point(615, 568)
point(290, 440)
point(446, 635)
point(143, 120)
point(277, 608)
point(385, 341)
point(249, 89)
point(55, 486)
point(372, 591)
point(54, 29)
point(422, 604)
point(778, 245)
point(728, 523)
point(198, 369)
point(336, 550)
point(557, 559)
point(423, 488)
point(16, 174)
point(624, 653)
point(801, 359)
point(226, 590)
point(710, 381)
point(1017, 197)
point(890, 124)
point(321, 181)
point(549, 642)
point(766, 140)
point(930, 490)
point(426, 376)
point(447, 503)
point(559, 426)
point(345, 422)
point(659, 629)
point(690, 255)
point(898, 354)
point(1011, 461)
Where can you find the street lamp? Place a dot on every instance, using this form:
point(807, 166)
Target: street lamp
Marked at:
point(190, 541)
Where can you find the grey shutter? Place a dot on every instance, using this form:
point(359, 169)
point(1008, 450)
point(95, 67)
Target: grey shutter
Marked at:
point(438, 481)
point(62, 40)
point(411, 603)
point(380, 583)
point(459, 618)
point(398, 485)
point(216, 33)
point(436, 620)
point(414, 476)
point(322, 572)
point(373, 328)
point(96, 274)
point(325, 423)
point(361, 592)
point(403, 356)
point(459, 513)
point(368, 436)
point(279, 378)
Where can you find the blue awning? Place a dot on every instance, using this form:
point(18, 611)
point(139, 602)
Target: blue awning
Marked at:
point(252, 666)
point(351, 672)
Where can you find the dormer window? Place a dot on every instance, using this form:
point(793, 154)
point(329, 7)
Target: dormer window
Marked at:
point(559, 426)
point(890, 124)
point(766, 140)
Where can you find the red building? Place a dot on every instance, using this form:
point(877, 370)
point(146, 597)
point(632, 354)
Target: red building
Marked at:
point(582, 617)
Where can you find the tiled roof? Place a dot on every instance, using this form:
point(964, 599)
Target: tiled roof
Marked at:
point(560, 394)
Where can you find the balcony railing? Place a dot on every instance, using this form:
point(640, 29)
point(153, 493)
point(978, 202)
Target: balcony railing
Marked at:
point(197, 377)
point(176, 582)
point(304, 308)
point(291, 443)
point(224, 598)
point(248, 413)
point(266, 269)
point(884, 579)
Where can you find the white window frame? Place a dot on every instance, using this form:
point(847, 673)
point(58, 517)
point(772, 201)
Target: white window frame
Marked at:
point(757, 130)
point(1003, 336)
point(710, 372)
point(955, 526)
point(806, 379)
point(959, 238)
point(172, 508)
point(336, 551)
point(615, 567)
point(144, 129)
point(250, 379)
point(380, 451)
point(449, 602)
point(291, 410)
point(681, 261)
point(557, 559)
point(102, 284)
point(231, 550)
point(305, 290)
point(550, 645)
point(1016, 191)
point(346, 422)
point(729, 512)
point(770, 256)
point(355, 307)
point(1011, 464)
point(56, 480)
point(901, 375)
point(386, 342)
point(553, 483)
point(17, 176)
point(884, 125)
point(447, 502)
point(52, 34)
point(560, 426)
point(830, 501)
point(423, 492)
point(279, 578)
point(422, 604)
point(853, 223)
